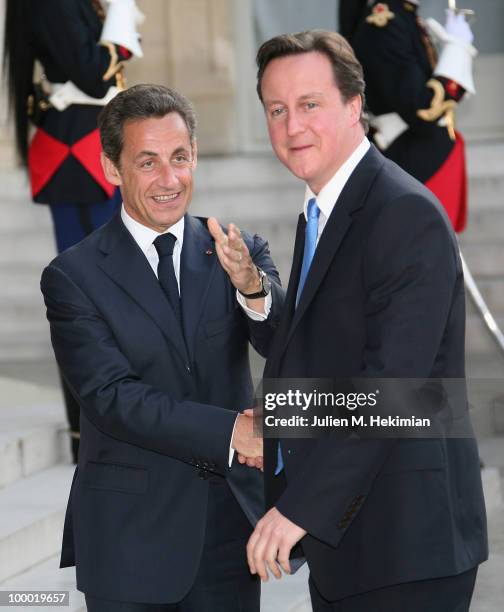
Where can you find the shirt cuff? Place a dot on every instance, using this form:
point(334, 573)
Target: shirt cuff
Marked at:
point(231, 449)
point(253, 314)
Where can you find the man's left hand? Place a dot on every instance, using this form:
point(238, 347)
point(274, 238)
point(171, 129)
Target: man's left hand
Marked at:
point(270, 544)
point(234, 257)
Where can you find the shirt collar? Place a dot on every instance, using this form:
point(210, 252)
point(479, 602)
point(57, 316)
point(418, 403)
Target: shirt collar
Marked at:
point(144, 236)
point(328, 195)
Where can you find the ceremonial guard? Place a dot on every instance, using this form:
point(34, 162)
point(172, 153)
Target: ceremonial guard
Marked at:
point(412, 90)
point(64, 61)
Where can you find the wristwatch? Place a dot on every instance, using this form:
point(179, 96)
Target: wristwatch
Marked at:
point(265, 287)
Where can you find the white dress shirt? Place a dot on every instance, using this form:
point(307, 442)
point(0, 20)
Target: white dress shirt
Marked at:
point(144, 236)
point(330, 192)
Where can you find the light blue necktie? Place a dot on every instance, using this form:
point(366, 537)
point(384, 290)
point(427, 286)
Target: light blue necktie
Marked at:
point(311, 233)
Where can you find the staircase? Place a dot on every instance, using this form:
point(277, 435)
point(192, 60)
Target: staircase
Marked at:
point(35, 478)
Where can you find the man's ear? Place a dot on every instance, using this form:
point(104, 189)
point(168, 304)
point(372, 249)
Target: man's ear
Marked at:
point(110, 170)
point(355, 105)
point(194, 150)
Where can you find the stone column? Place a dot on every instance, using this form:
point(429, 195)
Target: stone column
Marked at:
point(7, 151)
point(188, 45)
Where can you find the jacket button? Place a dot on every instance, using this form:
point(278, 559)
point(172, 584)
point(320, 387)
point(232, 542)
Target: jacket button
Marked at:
point(203, 475)
point(188, 367)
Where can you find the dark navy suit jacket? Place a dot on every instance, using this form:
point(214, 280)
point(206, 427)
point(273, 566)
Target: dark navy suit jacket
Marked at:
point(156, 418)
point(384, 298)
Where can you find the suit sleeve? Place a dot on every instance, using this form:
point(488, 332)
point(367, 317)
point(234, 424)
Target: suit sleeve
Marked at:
point(114, 397)
point(261, 332)
point(71, 45)
point(410, 273)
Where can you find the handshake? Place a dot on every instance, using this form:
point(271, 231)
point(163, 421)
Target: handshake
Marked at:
point(247, 443)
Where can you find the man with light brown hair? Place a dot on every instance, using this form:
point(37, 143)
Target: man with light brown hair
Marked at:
point(376, 292)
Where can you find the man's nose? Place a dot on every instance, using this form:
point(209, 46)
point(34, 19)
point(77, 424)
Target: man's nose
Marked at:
point(294, 123)
point(167, 176)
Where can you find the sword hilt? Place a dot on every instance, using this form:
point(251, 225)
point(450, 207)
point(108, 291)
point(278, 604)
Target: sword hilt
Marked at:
point(452, 5)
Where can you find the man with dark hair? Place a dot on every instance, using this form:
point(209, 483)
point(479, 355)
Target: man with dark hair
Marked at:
point(376, 291)
point(149, 336)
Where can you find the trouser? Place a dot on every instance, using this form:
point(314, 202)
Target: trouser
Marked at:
point(72, 223)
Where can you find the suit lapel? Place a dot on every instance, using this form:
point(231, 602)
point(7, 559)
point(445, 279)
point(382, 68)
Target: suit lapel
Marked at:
point(290, 299)
point(128, 267)
point(351, 199)
point(197, 267)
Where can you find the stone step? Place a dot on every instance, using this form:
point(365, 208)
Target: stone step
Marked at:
point(14, 345)
point(290, 594)
point(15, 184)
point(484, 225)
point(485, 166)
point(20, 281)
point(31, 246)
point(492, 452)
point(19, 213)
point(47, 576)
point(485, 191)
point(486, 402)
point(485, 260)
point(479, 341)
point(492, 290)
point(492, 488)
point(31, 519)
point(33, 430)
point(28, 321)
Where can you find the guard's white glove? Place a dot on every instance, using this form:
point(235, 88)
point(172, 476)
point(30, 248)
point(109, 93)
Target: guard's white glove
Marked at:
point(457, 52)
point(456, 25)
point(121, 21)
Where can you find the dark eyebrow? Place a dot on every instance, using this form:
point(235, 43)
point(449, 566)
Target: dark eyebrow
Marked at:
point(313, 94)
point(154, 154)
point(146, 154)
point(181, 150)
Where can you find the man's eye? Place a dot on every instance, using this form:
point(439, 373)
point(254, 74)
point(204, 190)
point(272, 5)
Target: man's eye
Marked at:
point(311, 105)
point(276, 112)
point(180, 159)
point(148, 164)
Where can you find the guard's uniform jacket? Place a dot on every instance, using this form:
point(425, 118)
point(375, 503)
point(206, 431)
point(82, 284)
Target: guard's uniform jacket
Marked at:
point(404, 94)
point(64, 154)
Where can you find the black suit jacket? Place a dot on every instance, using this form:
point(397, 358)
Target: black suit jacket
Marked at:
point(156, 419)
point(384, 298)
